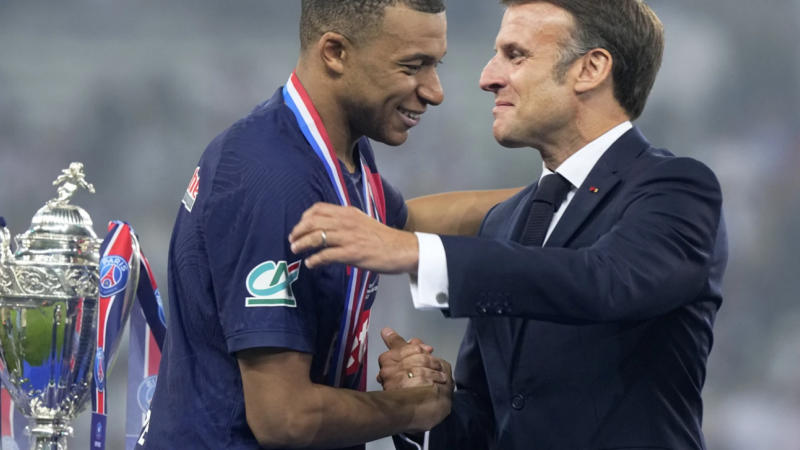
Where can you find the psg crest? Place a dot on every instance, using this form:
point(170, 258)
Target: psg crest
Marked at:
point(145, 392)
point(113, 275)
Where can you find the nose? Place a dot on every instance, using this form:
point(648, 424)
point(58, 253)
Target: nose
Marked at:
point(491, 77)
point(430, 89)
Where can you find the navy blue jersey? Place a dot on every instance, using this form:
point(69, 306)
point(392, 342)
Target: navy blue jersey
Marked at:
point(235, 283)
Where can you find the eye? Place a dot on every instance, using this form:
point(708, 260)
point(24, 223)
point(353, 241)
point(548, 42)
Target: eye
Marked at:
point(514, 54)
point(412, 68)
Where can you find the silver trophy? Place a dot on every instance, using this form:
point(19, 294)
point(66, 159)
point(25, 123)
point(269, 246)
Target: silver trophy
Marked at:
point(48, 308)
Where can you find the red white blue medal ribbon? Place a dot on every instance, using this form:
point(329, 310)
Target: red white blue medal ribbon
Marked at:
point(355, 319)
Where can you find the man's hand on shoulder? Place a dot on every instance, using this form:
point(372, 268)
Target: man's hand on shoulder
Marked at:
point(337, 234)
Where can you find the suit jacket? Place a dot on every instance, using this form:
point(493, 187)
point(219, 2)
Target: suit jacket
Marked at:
point(599, 340)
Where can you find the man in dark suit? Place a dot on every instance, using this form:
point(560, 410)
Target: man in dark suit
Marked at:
point(592, 293)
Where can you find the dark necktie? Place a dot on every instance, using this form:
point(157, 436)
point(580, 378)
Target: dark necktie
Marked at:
point(552, 190)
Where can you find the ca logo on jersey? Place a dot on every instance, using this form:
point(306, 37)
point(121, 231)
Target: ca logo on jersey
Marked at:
point(270, 284)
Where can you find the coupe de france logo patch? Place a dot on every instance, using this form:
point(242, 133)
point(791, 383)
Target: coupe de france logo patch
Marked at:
point(270, 284)
point(190, 195)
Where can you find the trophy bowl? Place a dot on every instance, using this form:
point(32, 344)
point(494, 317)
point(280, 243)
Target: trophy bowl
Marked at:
point(49, 288)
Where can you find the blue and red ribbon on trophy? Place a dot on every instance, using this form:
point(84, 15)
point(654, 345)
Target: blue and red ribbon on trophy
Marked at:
point(12, 424)
point(118, 252)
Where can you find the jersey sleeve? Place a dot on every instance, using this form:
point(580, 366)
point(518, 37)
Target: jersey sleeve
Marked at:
point(265, 296)
point(396, 210)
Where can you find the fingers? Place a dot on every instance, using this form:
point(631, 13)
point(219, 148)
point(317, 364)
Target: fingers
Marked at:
point(412, 377)
point(329, 232)
point(392, 340)
point(392, 361)
point(448, 371)
point(307, 220)
point(422, 376)
point(327, 256)
point(409, 363)
point(322, 216)
point(422, 360)
point(354, 238)
point(312, 239)
point(427, 348)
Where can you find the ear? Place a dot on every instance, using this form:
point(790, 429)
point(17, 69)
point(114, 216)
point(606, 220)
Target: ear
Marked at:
point(594, 70)
point(334, 49)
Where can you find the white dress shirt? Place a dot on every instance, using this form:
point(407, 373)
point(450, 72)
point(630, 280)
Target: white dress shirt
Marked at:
point(430, 288)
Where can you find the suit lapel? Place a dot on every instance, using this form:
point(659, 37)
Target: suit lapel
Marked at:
point(595, 188)
point(600, 182)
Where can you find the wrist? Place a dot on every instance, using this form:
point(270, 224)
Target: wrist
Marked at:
point(411, 257)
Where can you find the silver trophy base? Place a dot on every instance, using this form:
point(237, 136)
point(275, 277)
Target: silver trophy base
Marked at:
point(49, 435)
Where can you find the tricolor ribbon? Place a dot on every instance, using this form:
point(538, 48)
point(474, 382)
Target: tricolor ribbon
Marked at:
point(12, 424)
point(119, 250)
point(355, 320)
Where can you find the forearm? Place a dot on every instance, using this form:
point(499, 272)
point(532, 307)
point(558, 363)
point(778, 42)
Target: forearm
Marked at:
point(343, 417)
point(324, 417)
point(458, 213)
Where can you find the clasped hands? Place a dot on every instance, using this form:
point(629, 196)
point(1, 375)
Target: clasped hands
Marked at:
point(410, 364)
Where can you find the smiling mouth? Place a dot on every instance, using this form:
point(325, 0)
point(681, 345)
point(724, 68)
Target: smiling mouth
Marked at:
point(500, 106)
point(410, 118)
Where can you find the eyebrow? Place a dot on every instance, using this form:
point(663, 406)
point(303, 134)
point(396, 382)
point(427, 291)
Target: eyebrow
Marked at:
point(425, 58)
point(508, 47)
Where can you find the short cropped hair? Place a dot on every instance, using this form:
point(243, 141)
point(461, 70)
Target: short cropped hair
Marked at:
point(629, 30)
point(358, 20)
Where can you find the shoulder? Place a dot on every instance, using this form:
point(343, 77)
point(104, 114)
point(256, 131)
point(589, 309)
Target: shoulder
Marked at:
point(659, 182)
point(500, 214)
point(506, 208)
point(262, 154)
point(267, 139)
point(663, 165)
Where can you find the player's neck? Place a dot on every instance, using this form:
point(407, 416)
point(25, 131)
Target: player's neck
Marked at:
point(333, 118)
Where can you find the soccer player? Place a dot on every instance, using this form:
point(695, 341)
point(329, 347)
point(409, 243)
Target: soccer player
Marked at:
point(262, 351)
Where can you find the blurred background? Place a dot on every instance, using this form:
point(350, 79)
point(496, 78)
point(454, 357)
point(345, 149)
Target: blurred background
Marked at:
point(136, 90)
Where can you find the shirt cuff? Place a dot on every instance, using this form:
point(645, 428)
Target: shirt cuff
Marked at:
point(417, 445)
point(430, 288)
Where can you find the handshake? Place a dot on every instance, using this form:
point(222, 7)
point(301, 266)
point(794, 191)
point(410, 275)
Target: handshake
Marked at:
point(411, 364)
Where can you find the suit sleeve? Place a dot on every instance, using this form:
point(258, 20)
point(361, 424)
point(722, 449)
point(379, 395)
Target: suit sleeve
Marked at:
point(654, 259)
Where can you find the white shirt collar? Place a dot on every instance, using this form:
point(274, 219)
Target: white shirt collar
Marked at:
point(577, 167)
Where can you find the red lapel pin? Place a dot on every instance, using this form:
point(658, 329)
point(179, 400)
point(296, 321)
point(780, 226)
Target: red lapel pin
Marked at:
point(594, 190)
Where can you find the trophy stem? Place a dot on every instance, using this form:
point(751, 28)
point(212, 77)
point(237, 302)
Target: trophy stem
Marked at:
point(49, 435)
